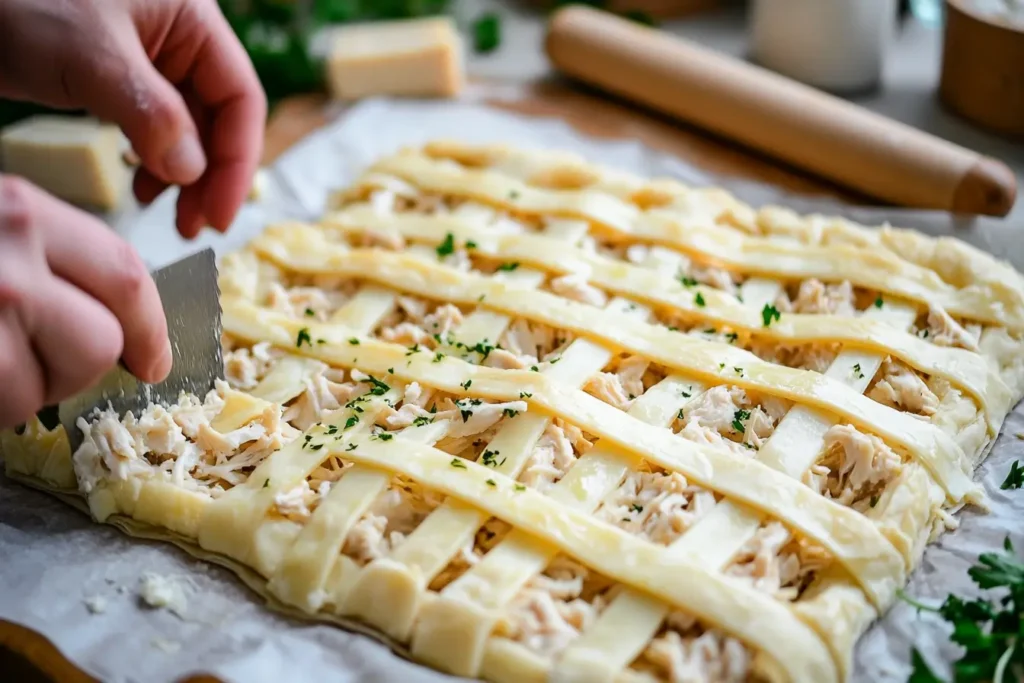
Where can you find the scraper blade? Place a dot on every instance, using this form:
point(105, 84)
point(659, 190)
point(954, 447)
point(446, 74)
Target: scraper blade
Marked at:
point(191, 301)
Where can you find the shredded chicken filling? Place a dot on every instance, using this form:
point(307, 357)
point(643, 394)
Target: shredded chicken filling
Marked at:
point(684, 651)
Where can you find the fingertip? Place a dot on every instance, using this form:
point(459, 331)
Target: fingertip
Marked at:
point(160, 368)
point(146, 187)
point(185, 161)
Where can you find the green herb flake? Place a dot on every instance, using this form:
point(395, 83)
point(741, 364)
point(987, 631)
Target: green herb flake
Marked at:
point(510, 266)
point(525, 394)
point(353, 341)
point(769, 314)
point(350, 447)
point(447, 247)
point(457, 463)
point(520, 487)
point(467, 384)
point(487, 33)
point(266, 483)
point(688, 281)
point(470, 244)
point(1014, 478)
point(879, 302)
point(737, 420)
point(303, 338)
point(636, 508)
point(491, 482)
point(699, 300)
point(310, 313)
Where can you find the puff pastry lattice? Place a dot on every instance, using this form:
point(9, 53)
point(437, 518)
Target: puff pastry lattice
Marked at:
point(533, 419)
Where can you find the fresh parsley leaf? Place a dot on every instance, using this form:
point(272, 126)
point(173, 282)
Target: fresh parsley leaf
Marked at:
point(699, 300)
point(353, 341)
point(768, 314)
point(688, 281)
point(447, 246)
point(1014, 478)
point(487, 33)
point(310, 312)
point(921, 673)
point(510, 266)
point(303, 338)
point(491, 482)
point(737, 420)
point(879, 302)
point(457, 463)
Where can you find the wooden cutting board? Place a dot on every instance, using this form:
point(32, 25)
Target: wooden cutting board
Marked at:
point(28, 657)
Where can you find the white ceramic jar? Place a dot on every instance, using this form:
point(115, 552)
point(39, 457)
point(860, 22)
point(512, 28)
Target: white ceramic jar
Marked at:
point(835, 45)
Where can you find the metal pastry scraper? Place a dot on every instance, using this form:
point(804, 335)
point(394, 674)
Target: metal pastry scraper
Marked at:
point(191, 300)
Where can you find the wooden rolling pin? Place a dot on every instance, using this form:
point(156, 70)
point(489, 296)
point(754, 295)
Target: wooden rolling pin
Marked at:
point(790, 121)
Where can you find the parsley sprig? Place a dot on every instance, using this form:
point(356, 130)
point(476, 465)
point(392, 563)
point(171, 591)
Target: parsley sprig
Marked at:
point(989, 631)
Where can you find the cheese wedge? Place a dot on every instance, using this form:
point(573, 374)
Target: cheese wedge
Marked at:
point(78, 160)
point(416, 58)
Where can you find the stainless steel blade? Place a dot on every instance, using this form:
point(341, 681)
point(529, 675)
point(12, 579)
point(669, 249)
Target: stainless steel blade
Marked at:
point(191, 301)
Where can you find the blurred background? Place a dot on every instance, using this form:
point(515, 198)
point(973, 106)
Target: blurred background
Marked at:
point(893, 57)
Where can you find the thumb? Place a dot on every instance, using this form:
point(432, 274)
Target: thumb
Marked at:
point(150, 111)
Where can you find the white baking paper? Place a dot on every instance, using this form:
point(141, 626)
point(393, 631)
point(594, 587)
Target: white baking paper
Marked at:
point(54, 559)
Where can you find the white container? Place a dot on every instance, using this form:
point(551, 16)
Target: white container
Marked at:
point(835, 45)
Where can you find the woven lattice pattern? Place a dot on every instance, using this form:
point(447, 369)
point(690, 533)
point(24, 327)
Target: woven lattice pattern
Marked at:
point(534, 419)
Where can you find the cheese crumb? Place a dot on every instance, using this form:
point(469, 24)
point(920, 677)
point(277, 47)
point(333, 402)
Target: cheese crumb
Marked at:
point(96, 604)
point(162, 592)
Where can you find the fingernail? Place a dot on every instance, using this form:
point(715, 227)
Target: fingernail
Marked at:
point(185, 162)
point(162, 366)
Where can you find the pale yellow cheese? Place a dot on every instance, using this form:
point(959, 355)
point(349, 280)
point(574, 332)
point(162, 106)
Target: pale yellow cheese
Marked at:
point(418, 58)
point(78, 160)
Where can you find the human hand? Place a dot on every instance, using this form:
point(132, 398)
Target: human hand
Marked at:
point(74, 297)
point(171, 73)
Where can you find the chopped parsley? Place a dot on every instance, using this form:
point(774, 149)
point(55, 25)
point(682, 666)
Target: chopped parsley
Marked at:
point(303, 338)
point(457, 463)
point(520, 487)
point(732, 337)
point(739, 371)
point(879, 302)
point(467, 384)
point(491, 482)
point(534, 368)
point(686, 394)
point(351, 422)
point(737, 420)
point(415, 348)
point(422, 420)
point(438, 357)
point(688, 281)
point(350, 447)
point(768, 314)
point(1015, 478)
point(490, 459)
point(510, 266)
point(509, 412)
point(310, 312)
point(857, 371)
point(266, 483)
point(378, 388)
point(874, 501)
point(316, 446)
point(513, 194)
point(447, 247)
point(636, 508)
point(385, 436)
point(699, 300)
point(470, 244)
point(525, 394)
point(353, 341)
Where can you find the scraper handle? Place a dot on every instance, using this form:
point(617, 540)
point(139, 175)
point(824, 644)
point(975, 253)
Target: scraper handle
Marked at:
point(785, 119)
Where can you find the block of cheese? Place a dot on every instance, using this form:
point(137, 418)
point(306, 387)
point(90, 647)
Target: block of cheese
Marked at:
point(76, 159)
point(414, 58)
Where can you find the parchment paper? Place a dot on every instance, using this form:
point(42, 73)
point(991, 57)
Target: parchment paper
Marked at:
point(52, 557)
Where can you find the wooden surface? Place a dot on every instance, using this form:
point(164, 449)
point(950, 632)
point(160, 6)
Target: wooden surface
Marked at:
point(28, 657)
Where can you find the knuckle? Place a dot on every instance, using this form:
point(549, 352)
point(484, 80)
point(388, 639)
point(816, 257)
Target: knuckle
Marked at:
point(131, 276)
point(16, 201)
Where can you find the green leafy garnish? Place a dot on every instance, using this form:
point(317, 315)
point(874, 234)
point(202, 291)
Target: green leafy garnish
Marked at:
point(988, 631)
point(512, 265)
point(768, 314)
point(447, 247)
point(303, 338)
point(1015, 477)
point(699, 299)
point(487, 32)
